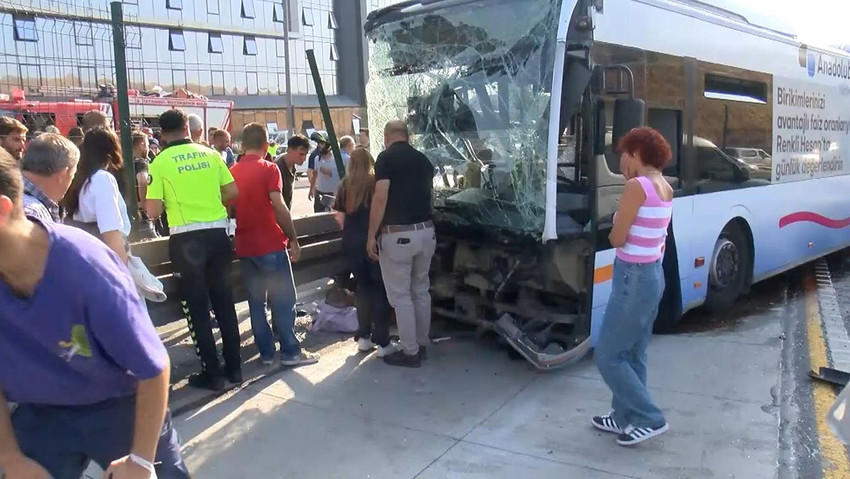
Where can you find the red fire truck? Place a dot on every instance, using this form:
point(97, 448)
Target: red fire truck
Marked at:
point(144, 109)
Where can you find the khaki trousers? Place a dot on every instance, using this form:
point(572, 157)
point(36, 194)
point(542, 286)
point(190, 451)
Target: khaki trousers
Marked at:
point(405, 264)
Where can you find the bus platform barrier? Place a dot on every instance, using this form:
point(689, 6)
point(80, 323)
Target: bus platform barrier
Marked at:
point(321, 256)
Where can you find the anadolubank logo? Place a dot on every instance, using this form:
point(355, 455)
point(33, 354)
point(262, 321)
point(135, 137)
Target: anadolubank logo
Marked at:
point(817, 63)
point(807, 60)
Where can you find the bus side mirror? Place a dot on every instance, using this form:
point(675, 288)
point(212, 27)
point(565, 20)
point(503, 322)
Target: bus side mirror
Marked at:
point(628, 114)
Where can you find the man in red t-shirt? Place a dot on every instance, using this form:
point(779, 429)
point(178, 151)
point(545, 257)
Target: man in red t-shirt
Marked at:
point(264, 229)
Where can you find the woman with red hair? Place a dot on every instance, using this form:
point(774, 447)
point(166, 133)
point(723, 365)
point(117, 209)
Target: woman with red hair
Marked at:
point(639, 232)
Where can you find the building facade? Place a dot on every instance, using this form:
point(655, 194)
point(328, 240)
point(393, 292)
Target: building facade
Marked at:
point(239, 50)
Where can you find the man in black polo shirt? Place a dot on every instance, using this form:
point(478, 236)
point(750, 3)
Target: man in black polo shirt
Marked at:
point(401, 212)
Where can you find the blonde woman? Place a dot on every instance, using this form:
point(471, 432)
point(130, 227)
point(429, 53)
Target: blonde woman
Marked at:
point(352, 203)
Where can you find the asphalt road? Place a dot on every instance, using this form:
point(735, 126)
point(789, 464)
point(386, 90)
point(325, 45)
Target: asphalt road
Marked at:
point(735, 387)
point(816, 310)
point(301, 206)
point(472, 412)
point(813, 304)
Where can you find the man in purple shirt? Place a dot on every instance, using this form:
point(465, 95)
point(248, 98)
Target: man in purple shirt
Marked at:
point(81, 358)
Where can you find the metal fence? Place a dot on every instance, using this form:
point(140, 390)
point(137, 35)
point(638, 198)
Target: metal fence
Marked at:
point(60, 59)
point(56, 51)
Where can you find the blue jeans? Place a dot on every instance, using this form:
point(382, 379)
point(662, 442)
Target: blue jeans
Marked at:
point(623, 338)
point(63, 439)
point(270, 276)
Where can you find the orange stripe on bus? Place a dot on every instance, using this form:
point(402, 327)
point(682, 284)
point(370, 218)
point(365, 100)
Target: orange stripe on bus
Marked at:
point(603, 274)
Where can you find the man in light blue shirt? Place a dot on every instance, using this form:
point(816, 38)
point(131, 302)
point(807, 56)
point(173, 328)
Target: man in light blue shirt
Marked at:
point(328, 178)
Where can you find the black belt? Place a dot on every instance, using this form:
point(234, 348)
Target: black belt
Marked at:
point(405, 228)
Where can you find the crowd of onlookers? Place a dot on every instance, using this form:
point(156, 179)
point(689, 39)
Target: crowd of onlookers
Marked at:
point(81, 363)
point(80, 180)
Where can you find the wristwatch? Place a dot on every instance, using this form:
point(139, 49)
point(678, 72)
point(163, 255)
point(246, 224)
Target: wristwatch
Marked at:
point(141, 461)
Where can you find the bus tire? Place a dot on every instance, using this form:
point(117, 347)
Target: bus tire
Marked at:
point(728, 270)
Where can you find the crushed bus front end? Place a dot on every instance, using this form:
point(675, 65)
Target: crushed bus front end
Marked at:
point(474, 80)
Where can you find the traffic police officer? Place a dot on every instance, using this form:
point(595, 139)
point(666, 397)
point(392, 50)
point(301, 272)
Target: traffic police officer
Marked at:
point(193, 185)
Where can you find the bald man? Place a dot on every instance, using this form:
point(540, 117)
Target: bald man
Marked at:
point(95, 119)
point(402, 214)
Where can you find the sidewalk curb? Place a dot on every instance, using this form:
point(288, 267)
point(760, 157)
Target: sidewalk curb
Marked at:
point(835, 332)
point(826, 333)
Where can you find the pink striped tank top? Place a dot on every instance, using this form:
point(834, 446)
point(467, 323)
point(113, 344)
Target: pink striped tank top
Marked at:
point(648, 232)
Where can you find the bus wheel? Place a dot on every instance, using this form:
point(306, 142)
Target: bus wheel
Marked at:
point(727, 274)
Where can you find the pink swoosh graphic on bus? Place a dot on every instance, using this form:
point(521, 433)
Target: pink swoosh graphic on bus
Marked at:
point(808, 216)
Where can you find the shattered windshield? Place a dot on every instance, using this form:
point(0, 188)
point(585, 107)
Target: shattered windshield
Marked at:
point(473, 82)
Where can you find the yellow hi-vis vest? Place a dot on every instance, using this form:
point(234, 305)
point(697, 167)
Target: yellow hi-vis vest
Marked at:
point(188, 178)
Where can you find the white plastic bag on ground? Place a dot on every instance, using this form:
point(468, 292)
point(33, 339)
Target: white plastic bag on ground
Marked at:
point(149, 286)
point(335, 320)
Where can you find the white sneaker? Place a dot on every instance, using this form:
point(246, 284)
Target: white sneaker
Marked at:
point(364, 345)
point(387, 350)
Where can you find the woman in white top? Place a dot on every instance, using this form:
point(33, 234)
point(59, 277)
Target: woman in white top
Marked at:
point(94, 201)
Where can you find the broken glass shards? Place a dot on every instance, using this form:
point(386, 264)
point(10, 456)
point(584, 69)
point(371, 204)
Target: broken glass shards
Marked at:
point(473, 82)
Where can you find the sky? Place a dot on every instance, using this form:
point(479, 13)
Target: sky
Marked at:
point(814, 21)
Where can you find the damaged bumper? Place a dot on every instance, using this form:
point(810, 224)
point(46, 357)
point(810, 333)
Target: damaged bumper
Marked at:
point(508, 329)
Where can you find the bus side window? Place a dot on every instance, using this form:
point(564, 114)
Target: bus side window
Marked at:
point(714, 167)
point(669, 123)
point(734, 120)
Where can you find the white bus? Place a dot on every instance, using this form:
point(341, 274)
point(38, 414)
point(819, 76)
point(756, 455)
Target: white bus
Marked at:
point(517, 102)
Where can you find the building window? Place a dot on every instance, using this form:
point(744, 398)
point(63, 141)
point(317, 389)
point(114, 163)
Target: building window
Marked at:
point(88, 77)
point(30, 76)
point(174, 4)
point(247, 8)
point(176, 42)
point(334, 53)
point(133, 37)
point(213, 7)
point(216, 45)
point(250, 46)
point(281, 83)
point(307, 17)
point(253, 84)
point(179, 79)
point(217, 86)
point(278, 15)
point(25, 29)
point(82, 32)
point(280, 46)
point(332, 21)
point(136, 78)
